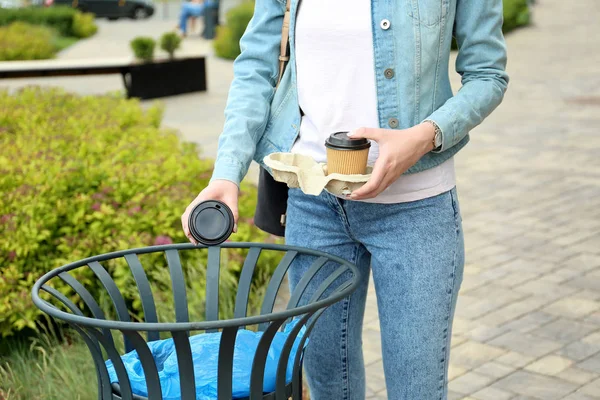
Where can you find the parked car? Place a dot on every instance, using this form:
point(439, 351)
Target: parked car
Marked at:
point(112, 9)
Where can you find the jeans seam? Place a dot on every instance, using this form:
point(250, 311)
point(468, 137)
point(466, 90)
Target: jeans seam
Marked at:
point(346, 307)
point(447, 332)
point(336, 205)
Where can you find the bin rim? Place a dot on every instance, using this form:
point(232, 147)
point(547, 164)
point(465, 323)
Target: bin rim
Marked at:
point(190, 326)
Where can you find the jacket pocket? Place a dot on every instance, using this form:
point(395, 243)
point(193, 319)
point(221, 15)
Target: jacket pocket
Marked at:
point(428, 12)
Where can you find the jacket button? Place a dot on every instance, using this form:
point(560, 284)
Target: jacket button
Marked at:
point(389, 73)
point(393, 123)
point(385, 24)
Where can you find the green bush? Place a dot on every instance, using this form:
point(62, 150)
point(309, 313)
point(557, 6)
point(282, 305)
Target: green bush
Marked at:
point(84, 25)
point(21, 41)
point(81, 176)
point(227, 41)
point(143, 48)
point(170, 42)
point(60, 18)
point(66, 21)
point(516, 14)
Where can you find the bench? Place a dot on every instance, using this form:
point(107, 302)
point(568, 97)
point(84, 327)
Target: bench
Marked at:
point(141, 80)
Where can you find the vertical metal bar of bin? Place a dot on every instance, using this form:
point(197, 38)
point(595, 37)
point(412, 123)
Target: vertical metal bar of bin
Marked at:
point(178, 285)
point(104, 386)
point(186, 365)
point(148, 364)
point(212, 284)
point(115, 296)
point(141, 280)
point(245, 283)
point(260, 359)
point(115, 357)
point(306, 278)
point(275, 284)
point(297, 374)
point(88, 300)
point(282, 365)
point(104, 390)
point(225, 368)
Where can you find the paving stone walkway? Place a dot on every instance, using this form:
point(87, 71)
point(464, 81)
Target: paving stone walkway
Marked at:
point(527, 325)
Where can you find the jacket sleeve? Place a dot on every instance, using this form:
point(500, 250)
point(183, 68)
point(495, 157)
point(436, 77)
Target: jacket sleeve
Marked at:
point(252, 89)
point(481, 62)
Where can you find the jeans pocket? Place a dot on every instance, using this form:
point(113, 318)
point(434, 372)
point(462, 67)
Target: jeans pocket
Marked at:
point(455, 205)
point(428, 12)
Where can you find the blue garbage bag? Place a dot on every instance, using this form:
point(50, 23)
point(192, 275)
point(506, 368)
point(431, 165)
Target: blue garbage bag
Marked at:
point(205, 355)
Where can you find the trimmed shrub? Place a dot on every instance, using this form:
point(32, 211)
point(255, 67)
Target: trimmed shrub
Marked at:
point(82, 176)
point(84, 25)
point(61, 18)
point(227, 41)
point(516, 14)
point(21, 41)
point(170, 42)
point(143, 48)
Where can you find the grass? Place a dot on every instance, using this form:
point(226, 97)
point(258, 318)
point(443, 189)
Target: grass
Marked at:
point(45, 369)
point(62, 42)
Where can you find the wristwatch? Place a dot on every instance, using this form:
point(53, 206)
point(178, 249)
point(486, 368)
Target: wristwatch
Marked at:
point(437, 139)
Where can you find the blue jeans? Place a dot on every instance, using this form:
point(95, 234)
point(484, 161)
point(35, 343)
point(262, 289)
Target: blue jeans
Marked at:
point(416, 251)
point(190, 10)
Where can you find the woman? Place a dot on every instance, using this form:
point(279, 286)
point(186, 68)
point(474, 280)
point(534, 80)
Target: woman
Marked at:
point(190, 11)
point(380, 70)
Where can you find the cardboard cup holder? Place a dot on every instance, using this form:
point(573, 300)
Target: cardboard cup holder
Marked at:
point(301, 171)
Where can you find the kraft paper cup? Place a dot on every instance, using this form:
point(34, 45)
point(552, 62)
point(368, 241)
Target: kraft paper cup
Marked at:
point(346, 155)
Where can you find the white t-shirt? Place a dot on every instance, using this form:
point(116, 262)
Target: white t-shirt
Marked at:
point(337, 89)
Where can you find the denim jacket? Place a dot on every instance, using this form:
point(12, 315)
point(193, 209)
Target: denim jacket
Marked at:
point(410, 37)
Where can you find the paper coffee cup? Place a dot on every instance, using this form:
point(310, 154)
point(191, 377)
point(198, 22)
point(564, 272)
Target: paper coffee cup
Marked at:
point(346, 155)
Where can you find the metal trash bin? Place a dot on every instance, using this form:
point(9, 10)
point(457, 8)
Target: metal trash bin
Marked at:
point(97, 332)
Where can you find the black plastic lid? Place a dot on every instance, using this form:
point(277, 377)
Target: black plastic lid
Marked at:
point(341, 141)
point(211, 222)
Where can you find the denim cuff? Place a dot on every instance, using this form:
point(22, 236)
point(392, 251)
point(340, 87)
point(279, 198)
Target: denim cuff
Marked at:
point(445, 120)
point(228, 169)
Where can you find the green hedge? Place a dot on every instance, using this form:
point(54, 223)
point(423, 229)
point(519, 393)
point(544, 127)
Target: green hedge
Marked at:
point(21, 41)
point(227, 41)
point(81, 176)
point(66, 20)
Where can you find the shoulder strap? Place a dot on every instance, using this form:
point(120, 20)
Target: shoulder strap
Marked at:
point(285, 35)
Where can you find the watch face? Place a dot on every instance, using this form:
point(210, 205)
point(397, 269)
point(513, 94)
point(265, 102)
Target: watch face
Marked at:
point(438, 139)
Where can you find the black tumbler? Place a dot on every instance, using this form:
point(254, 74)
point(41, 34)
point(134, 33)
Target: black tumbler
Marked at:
point(211, 222)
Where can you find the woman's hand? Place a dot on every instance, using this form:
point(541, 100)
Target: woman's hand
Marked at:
point(398, 151)
point(225, 191)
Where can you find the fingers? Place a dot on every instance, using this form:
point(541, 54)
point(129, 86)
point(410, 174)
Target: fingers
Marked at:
point(234, 210)
point(366, 133)
point(186, 229)
point(374, 185)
